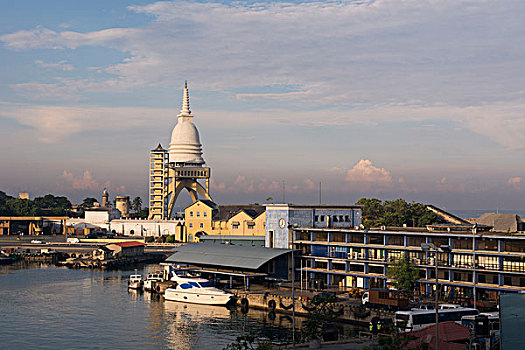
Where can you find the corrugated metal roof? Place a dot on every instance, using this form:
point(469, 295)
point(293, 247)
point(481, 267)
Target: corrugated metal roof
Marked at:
point(212, 254)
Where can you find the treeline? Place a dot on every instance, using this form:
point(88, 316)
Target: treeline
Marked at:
point(48, 205)
point(396, 213)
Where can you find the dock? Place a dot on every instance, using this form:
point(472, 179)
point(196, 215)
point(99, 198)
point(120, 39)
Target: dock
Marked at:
point(351, 310)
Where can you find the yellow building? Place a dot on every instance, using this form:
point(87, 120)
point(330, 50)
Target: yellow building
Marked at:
point(207, 218)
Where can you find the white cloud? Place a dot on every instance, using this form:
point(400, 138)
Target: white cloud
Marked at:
point(83, 182)
point(62, 65)
point(347, 53)
point(55, 123)
point(309, 185)
point(86, 181)
point(367, 176)
point(515, 183)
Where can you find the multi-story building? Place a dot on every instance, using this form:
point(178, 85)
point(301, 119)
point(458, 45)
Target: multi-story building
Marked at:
point(280, 217)
point(207, 218)
point(484, 262)
point(158, 182)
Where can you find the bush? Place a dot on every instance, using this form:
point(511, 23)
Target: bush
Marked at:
point(170, 239)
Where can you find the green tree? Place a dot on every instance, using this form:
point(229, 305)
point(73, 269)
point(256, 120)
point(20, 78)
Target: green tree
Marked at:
point(405, 274)
point(137, 204)
point(88, 202)
point(52, 205)
point(395, 342)
point(322, 313)
point(21, 207)
point(249, 342)
point(144, 213)
point(4, 210)
point(373, 211)
point(397, 213)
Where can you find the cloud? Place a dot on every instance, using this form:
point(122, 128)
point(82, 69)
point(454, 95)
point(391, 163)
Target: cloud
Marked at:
point(86, 181)
point(365, 175)
point(515, 183)
point(245, 185)
point(52, 124)
point(362, 61)
point(309, 185)
point(62, 65)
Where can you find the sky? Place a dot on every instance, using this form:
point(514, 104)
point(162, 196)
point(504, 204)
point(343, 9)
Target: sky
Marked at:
point(416, 99)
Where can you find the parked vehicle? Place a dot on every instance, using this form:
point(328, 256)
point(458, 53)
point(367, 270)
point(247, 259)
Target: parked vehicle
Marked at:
point(413, 320)
point(385, 298)
point(36, 241)
point(449, 306)
point(73, 240)
point(423, 307)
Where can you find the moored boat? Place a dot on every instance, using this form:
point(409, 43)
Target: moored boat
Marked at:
point(190, 289)
point(135, 282)
point(150, 284)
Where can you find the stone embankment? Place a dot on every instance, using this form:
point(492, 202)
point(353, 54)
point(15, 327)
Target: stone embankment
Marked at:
point(350, 311)
point(119, 263)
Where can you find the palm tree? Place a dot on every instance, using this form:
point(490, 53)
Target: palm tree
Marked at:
point(137, 204)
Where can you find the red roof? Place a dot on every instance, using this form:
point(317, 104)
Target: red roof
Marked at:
point(129, 244)
point(451, 334)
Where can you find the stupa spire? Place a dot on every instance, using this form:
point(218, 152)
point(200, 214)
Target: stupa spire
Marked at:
point(185, 100)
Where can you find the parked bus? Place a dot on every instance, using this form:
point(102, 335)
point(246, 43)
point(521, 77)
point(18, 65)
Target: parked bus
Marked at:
point(408, 321)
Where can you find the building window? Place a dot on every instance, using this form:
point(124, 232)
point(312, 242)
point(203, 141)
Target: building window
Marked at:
point(191, 214)
point(316, 218)
point(334, 218)
point(375, 239)
point(201, 225)
point(191, 225)
point(251, 226)
point(347, 218)
point(205, 214)
point(235, 226)
point(198, 214)
point(322, 217)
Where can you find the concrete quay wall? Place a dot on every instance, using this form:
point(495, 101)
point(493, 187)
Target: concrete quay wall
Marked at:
point(351, 313)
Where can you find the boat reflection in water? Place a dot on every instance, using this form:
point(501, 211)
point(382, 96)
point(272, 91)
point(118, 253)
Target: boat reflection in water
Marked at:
point(195, 326)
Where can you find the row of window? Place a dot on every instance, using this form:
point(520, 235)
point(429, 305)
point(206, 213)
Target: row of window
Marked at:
point(235, 226)
point(511, 264)
point(201, 225)
point(458, 276)
point(198, 214)
point(486, 244)
point(334, 218)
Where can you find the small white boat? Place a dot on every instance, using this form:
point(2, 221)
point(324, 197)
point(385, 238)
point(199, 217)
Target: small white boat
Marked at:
point(151, 281)
point(135, 282)
point(190, 289)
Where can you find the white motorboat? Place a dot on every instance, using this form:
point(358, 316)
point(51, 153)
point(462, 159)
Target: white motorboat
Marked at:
point(135, 282)
point(191, 289)
point(151, 281)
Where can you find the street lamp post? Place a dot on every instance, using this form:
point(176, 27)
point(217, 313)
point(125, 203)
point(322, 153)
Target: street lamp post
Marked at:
point(431, 247)
point(292, 229)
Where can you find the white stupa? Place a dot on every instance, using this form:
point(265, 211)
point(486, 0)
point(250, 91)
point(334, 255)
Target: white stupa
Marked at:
point(185, 146)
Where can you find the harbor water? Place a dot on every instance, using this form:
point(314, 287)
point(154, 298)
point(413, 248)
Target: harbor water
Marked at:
point(47, 307)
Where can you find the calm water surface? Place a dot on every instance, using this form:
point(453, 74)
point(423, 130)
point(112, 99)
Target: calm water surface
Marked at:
point(46, 307)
